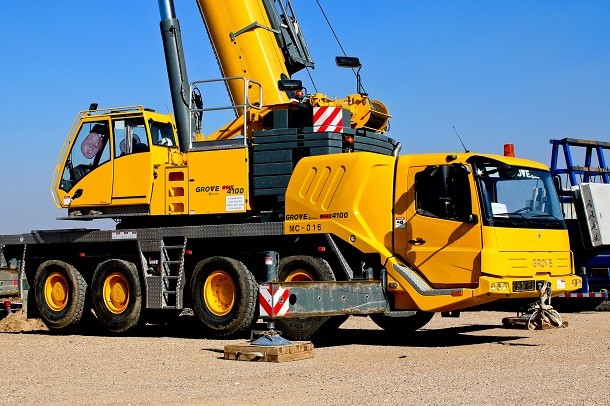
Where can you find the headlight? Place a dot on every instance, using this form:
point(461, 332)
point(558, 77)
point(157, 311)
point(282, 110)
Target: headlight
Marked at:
point(499, 286)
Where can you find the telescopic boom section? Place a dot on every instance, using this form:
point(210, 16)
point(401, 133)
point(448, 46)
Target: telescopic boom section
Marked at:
point(258, 40)
point(176, 71)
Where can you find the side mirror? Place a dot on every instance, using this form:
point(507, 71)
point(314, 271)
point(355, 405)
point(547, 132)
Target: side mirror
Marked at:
point(557, 183)
point(347, 62)
point(353, 63)
point(471, 219)
point(287, 85)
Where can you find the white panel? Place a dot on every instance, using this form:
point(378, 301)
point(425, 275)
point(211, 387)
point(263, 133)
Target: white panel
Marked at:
point(596, 201)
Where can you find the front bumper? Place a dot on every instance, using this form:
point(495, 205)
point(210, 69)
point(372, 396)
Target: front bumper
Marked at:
point(525, 287)
point(489, 289)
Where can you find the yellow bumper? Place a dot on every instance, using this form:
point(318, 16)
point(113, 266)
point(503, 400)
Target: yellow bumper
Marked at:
point(515, 288)
point(488, 290)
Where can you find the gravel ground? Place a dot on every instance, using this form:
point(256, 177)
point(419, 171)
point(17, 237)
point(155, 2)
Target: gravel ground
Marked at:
point(469, 360)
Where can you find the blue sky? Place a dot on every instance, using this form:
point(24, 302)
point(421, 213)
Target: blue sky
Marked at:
point(499, 71)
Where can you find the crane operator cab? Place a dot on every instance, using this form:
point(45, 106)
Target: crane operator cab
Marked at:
point(108, 164)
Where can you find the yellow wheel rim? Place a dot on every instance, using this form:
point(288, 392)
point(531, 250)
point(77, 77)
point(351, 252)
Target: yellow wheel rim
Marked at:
point(56, 291)
point(300, 275)
point(219, 293)
point(116, 292)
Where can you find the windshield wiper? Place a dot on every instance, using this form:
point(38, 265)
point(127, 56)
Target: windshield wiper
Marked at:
point(511, 214)
point(546, 215)
point(515, 219)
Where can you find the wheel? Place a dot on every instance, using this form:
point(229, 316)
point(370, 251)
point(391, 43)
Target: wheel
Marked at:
point(59, 291)
point(224, 294)
point(116, 296)
point(301, 268)
point(401, 325)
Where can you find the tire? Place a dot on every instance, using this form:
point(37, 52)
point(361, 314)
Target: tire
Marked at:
point(59, 291)
point(301, 268)
point(401, 325)
point(116, 295)
point(224, 295)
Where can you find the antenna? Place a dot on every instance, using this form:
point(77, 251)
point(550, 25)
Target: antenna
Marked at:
point(460, 138)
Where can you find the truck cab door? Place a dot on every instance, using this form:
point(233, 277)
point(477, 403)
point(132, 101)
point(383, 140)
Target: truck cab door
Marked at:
point(132, 164)
point(85, 179)
point(443, 230)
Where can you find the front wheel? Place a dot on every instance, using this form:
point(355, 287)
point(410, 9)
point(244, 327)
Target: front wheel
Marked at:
point(224, 294)
point(59, 290)
point(302, 268)
point(116, 295)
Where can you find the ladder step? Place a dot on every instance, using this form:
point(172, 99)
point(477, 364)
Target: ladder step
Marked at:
point(588, 168)
point(169, 307)
point(169, 292)
point(170, 277)
point(173, 247)
point(172, 262)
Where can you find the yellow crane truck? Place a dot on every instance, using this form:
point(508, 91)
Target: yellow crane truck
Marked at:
point(299, 209)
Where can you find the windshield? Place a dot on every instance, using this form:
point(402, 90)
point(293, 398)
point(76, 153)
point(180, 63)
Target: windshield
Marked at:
point(518, 196)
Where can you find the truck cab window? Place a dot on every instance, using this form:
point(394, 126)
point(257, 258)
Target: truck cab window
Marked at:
point(90, 150)
point(130, 136)
point(443, 191)
point(162, 133)
point(518, 197)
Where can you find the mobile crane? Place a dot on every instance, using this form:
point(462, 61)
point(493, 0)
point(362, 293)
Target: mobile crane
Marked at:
point(313, 215)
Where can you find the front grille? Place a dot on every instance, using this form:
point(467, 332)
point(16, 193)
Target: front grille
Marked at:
point(527, 286)
point(524, 286)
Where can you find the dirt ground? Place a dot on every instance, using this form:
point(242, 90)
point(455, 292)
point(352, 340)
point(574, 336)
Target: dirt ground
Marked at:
point(469, 360)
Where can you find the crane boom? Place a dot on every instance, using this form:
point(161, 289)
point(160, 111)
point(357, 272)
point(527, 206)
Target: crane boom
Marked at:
point(261, 40)
point(253, 39)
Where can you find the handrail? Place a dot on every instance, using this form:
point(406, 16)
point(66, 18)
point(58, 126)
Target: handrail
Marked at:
point(248, 103)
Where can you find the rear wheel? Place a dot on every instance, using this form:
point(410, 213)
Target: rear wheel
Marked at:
point(59, 290)
point(302, 268)
point(401, 325)
point(224, 294)
point(116, 295)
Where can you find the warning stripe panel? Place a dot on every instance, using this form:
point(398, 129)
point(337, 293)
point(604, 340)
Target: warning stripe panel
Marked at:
point(273, 301)
point(600, 295)
point(328, 119)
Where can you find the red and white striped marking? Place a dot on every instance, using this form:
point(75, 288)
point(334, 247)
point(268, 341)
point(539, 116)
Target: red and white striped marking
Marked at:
point(273, 301)
point(328, 119)
point(600, 295)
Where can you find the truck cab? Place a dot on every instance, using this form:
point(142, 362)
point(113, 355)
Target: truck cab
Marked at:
point(480, 227)
point(452, 230)
point(111, 158)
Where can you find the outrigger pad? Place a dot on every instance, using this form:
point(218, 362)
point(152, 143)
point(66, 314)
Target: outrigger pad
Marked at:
point(282, 353)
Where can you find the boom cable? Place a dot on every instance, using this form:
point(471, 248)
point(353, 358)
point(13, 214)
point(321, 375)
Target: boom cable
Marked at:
point(311, 78)
point(331, 28)
point(337, 39)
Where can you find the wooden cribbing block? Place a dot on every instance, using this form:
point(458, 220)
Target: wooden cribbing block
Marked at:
point(282, 353)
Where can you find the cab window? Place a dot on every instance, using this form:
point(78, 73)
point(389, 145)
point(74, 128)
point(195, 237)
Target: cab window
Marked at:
point(162, 133)
point(129, 136)
point(89, 150)
point(443, 191)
